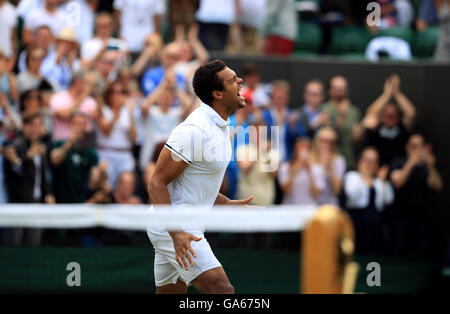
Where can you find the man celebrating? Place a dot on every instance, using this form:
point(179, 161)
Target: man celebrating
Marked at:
point(189, 172)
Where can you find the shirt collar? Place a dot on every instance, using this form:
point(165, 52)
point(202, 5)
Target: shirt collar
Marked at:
point(214, 115)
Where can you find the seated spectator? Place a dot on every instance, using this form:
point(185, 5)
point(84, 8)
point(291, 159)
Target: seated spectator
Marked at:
point(136, 19)
point(436, 12)
point(251, 19)
point(50, 14)
point(170, 55)
point(331, 165)
point(280, 27)
point(32, 78)
point(280, 115)
point(414, 178)
point(388, 48)
point(258, 164)
point(259, 92)
point(124, 192)
point(61, 63)
point(42, 37)
point(310, 114)
point(94, 49)
point(72, 161)
point(160, 116)
point(214, 18)
point(8, 38)
point(367, 192)
point(26, 170)
point(77, 98)
point(389, 120)
point(344, 117)
point(8, 83)
point(300, 181)
point(116, 132)
point(396, 13)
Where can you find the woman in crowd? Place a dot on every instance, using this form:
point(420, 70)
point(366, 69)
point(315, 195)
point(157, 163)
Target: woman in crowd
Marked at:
point(31, 78)
point(331, 165)
point(367, 192)
point(116, 132)
point(8, 84)
point(300, 181)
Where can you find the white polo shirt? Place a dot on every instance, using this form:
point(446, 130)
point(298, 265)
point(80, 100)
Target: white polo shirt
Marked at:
point(203, 142)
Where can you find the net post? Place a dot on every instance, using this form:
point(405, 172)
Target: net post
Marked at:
point(327, 253)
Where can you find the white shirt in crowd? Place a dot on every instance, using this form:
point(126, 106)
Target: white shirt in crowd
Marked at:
point(137, 20)
point(91, 48)
point(118, 138)
point(217, 11)
point(301, 193)
point(8, 21)
point(358, 192)
point(252, 13)
point(203, 142)
point(84, 24)
point(25, 7)
point(398, 49)
point(158, 127)
point(39, 17)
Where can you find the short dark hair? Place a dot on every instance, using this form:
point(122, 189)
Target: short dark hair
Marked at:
point(29, 117)
point(206, 80)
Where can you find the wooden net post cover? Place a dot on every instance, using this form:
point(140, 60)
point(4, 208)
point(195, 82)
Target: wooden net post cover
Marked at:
point(327, 252)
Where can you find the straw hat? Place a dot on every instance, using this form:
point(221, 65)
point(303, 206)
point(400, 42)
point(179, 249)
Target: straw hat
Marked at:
point(67, 34)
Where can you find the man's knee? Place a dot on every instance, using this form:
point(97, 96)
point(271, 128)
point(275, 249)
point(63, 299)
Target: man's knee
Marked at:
point(221, 287)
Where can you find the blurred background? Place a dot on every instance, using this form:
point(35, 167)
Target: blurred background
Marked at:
point(90, 90)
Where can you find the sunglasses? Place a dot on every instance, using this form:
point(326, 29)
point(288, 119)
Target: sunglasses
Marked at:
point(327, 140)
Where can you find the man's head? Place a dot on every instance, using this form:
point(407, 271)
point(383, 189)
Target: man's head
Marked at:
point(390, 115)
point(52, 4)
point(215, 83)
point(35, 56)
point(314, 94)
point(126, 184)
point(43, 36)
point(104, 25)
point(106, 64)
point(32, 126)
point(281, 94)
point(78, 122)
point(338, 88)
point(30, 101)
point(170, 55)
point(415, 145)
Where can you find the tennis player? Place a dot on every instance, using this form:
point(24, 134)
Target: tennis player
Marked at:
point(189, 173)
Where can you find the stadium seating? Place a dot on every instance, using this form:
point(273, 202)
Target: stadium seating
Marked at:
point(404, 33)
point(349, 40)
point(425, 43)
point(308, 39)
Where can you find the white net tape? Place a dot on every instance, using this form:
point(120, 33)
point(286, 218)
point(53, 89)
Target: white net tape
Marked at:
point(133, 217)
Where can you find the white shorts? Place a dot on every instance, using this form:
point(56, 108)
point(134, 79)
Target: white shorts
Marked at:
point(167, 270)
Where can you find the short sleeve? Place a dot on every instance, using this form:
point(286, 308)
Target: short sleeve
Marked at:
point(119, 4)
point(185, 143)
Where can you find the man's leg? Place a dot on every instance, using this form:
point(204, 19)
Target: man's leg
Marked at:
point(213, 281)
point(178, 288)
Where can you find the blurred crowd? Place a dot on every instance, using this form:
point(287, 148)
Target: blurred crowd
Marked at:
point(88, 100)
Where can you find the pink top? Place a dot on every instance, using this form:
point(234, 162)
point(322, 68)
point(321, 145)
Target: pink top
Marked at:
point(63, 100)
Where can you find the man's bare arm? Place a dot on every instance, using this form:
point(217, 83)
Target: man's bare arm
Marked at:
point(167, 170)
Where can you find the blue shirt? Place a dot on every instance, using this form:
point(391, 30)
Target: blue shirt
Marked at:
point(153, 77)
